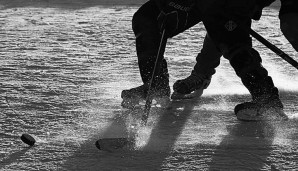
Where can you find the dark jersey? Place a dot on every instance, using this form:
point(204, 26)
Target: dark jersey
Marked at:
point(264, 3)
point(184, 5)
point(288, 6)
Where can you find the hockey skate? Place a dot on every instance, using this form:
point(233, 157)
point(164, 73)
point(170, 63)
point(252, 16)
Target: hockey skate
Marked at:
point(136, 97)
point(265, 105)
point(270, 109)
point(190, 87)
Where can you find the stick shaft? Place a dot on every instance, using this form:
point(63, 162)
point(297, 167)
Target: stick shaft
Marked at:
point(274, 48)
point(156, 68)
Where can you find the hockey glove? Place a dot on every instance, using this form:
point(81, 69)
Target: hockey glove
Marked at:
point(173, 17)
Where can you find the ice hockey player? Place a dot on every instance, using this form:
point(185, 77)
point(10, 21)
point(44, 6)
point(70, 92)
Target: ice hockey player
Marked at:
point(209, 57)
point(224, 22)
point(146, 23)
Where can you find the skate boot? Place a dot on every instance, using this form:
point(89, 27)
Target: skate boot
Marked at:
point(190, 87)
point(133, 97)
point(265, 104)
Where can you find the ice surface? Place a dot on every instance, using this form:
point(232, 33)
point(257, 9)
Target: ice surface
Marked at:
point(62, 72)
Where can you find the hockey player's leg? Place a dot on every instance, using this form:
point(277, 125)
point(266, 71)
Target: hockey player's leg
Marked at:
point(236, 45)
point(265, 104)
point(193, 86)
point(147, 42)
point(148, 35)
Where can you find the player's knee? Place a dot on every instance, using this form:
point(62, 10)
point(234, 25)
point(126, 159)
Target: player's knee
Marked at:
point(146, 33)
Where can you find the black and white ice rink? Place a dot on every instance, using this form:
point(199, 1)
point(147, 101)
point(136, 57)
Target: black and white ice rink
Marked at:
point(62, 71)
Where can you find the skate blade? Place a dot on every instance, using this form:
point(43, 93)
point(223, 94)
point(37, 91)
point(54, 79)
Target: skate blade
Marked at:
point(192, 95)
point(268, 114)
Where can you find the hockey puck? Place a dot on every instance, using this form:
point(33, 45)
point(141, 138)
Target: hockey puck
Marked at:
point(97, 144)
point(28, 139)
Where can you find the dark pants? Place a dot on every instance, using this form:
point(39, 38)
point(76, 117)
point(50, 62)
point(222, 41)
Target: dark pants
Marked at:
point(148, 36)
point(227, 25)
point(226, 32)
point(208, 59)
point(289, 26)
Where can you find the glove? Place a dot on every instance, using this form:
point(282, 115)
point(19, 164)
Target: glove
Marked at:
point(173, 17)
point(169, 21)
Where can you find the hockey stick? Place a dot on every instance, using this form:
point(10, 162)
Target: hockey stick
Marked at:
point(274, 48)
point(156, 68)
point(110, 144)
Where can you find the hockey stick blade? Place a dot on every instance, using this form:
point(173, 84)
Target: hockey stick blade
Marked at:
point(113, 144)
